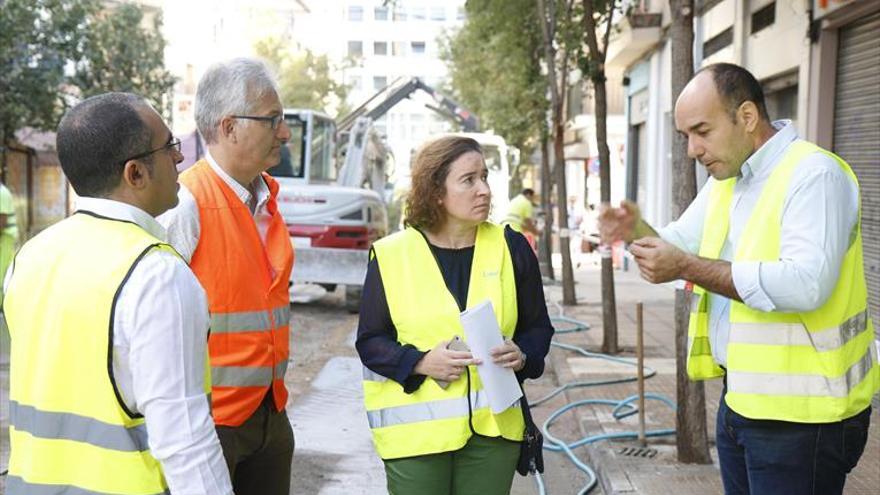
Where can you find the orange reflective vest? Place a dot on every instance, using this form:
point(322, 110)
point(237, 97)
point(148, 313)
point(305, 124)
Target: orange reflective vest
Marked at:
point(247, 287)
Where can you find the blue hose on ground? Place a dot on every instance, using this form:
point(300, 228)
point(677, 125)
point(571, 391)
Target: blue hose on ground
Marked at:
point(620, 408)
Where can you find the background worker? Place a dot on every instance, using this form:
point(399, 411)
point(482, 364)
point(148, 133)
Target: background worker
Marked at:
point(8, 232)
point(435, 441)
point(520, 216)
point(779, 308)
point(229, 229)
point(142, 424)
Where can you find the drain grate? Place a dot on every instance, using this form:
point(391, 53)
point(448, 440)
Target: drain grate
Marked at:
point(643, 452)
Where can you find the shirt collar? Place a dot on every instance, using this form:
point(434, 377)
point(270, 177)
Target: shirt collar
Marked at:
point(118, 210)
point(258, 184)
point(768, 154)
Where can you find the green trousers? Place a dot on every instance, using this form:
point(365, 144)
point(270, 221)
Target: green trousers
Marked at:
point(484, 466)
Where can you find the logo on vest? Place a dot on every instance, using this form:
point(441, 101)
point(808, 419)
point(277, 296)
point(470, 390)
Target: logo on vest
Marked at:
point(489, 274)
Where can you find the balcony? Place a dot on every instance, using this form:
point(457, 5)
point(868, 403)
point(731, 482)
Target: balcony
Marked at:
point(634, 35)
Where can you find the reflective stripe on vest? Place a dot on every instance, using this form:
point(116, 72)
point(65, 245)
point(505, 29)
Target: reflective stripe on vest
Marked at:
point(432, 419)
point(247, 294)
point(813, 367)
point(456, 407)
point(17, 486)
point(69, 430)
point(248, 321)
point(69, 426)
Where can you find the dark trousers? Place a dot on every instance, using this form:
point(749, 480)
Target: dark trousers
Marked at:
point(259, 452)
point(767, 457)
point(484, 466)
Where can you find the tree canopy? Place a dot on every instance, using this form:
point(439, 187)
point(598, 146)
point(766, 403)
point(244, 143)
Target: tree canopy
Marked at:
point(54, 52)
point(304, 79)
point(495, 69)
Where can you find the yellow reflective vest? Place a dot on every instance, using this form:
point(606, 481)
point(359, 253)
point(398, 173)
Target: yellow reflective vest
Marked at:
point(520, 209)
point(433, 420)
point(69, 430)
point(813, 367)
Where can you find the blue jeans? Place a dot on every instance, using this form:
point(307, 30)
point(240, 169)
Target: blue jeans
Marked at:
point(771, 457)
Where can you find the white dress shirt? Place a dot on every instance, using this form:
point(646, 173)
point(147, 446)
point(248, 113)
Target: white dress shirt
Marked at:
point(160, 343)
point(819, 213)
point(182, 222)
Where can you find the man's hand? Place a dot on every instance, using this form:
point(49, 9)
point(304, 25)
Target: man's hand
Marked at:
point(658, 260)
point(441, 363)
point(616, 224)
point(508, 355)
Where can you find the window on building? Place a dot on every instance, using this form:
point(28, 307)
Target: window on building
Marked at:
point(355, 48)
point(354, 83)
point(764, 17)
point(380, 48)
point(417, 47)
point(398, 48)
point(718, 42)
point(780, 96)
point(355, 13)
point(438, 13)
point(380, 13)
point(460, 14)
point(417, 14)
point(399, 14)
point(379, 82)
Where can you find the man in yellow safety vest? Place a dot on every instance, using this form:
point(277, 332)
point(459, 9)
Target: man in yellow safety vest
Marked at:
point(772, 249)
point(109, 327)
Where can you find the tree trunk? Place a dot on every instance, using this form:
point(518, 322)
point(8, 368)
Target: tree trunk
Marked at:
point(557, 85)
point(692, 439)
point(568, 294)
point(609, 303)
point(545, 249)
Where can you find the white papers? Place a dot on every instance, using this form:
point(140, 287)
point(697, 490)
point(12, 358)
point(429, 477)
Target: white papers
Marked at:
point(482, 333)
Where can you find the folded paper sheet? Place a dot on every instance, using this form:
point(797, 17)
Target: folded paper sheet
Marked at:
point(483, 333)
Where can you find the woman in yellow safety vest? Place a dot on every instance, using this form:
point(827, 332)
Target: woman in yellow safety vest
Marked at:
point(428, 412)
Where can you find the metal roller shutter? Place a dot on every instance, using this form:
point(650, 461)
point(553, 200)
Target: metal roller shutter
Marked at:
point(857, 134)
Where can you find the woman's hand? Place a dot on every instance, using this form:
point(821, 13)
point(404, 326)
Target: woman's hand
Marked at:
point(508, 355)
point(441, 363)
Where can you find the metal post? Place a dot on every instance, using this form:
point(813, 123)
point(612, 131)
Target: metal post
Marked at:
point(640, 356)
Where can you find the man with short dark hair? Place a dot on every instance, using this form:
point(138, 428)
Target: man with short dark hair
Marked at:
point(772, 250)
point(108, 325)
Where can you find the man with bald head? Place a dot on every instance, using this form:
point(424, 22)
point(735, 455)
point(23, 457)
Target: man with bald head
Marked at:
point(109, 327)
point(771, 249)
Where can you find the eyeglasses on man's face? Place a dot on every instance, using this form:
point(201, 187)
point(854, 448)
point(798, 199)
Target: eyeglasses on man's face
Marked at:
point(273, 120)
point(173, 145)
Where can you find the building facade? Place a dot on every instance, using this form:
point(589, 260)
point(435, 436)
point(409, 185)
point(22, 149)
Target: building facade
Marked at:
point(817, 60)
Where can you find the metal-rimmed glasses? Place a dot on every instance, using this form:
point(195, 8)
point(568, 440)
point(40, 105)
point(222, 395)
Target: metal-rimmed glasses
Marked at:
point(273, 120)
point(174, 144)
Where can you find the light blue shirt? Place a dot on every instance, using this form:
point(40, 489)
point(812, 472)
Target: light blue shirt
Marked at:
point(820, 210)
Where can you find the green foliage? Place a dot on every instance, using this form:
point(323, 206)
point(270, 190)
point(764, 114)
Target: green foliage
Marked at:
point(304, 79)
point(120, 54)
point(494, 62)
point(37, 39)
point(53, 52)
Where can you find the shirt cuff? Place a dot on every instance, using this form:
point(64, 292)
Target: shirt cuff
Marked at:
point(747, 282)
point(405, 371)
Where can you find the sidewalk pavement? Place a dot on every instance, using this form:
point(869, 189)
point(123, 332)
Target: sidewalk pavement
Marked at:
point(660, 474)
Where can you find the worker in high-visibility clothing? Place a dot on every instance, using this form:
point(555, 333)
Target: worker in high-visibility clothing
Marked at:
point(436, 440)
point(8, 232)
point(108, 375)
point(229, 228)
point(772, 248)
point(520, 216)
